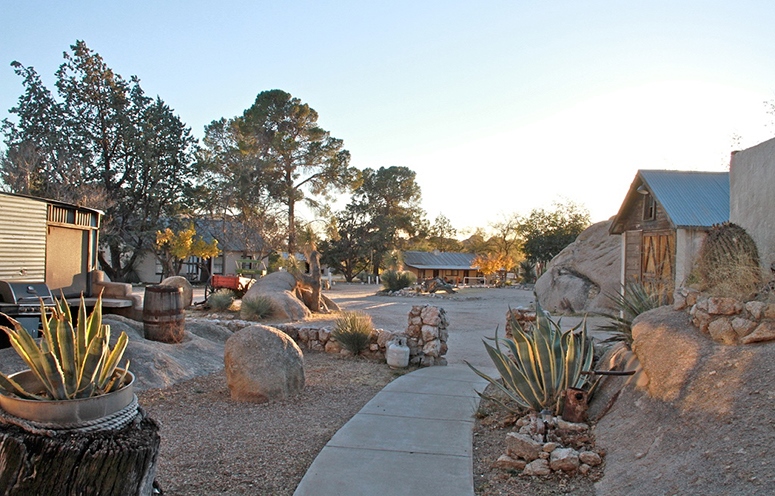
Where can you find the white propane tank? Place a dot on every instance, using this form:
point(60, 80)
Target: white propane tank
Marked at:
point(398, 354)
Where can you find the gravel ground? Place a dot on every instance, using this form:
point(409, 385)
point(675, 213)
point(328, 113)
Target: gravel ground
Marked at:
point(213, 445)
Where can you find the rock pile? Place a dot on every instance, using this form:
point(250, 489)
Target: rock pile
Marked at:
point(728, 320)
point(541, 447)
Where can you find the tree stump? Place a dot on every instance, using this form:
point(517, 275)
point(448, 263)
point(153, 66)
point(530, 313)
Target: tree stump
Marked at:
point(112, 463)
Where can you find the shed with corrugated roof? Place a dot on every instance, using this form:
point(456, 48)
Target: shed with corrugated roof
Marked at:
point(663, 221)
point(453, 267)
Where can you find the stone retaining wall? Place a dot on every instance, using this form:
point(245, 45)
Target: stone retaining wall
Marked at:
point(426, 335)
point(727, 320)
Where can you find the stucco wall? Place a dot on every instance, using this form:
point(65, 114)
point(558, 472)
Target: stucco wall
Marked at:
point(752, 197)
point(688, 243)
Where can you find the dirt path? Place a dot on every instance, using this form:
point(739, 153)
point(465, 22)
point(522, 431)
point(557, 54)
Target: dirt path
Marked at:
point(473, 313)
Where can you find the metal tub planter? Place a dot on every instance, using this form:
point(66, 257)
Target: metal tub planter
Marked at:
point(69, 412)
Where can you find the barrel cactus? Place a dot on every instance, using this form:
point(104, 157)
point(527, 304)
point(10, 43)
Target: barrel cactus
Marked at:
point(728, 263)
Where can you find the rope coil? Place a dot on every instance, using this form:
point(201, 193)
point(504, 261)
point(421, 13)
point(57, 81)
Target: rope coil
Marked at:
point(113, 422)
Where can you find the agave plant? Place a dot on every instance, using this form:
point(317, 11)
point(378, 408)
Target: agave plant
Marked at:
point(538, 365)
point(70, 362)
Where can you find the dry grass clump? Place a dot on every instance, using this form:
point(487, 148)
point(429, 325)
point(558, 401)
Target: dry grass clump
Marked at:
point(728, 263)
point(256, 307)
point(221, 300)
point(352, 330)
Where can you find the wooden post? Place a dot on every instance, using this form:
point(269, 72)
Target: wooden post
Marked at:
point(118, 463)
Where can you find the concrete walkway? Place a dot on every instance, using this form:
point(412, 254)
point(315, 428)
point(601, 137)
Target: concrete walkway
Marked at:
point(414, 437)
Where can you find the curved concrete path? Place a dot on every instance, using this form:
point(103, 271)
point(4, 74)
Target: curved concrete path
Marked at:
point(414, 437)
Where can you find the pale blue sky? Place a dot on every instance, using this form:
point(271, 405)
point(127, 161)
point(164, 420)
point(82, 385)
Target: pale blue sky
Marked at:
point(499, 106)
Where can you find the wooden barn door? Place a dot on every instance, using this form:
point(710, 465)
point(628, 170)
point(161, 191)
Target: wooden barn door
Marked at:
point(658, 260)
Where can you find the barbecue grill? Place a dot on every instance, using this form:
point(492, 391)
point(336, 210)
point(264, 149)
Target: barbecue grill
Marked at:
point(21, 300)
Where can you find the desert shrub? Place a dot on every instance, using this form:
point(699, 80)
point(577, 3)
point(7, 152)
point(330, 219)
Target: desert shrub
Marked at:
point(728, 263)
point(352, 330)
point(221, 299)
point(527, 272)
point(633, 299)
point(393, 280)
point(256, 307)
point(539, 365)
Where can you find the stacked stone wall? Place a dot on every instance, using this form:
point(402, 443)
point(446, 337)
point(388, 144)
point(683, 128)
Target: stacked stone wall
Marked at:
point(426, 335)
point(728, 320)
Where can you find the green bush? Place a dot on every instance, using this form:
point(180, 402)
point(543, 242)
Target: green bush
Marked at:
point(221, 300)
point(352, 330)
point(539, 365)
point(256, 307)
point(394, 281)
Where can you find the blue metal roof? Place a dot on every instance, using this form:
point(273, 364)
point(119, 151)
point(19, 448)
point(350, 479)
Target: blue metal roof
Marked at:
point(438, 260)
point(690, 199)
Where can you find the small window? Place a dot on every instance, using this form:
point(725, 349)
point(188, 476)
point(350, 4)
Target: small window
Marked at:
point(649, 207)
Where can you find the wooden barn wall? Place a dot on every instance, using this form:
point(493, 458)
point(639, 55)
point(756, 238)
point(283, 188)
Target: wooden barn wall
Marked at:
point(633, 217)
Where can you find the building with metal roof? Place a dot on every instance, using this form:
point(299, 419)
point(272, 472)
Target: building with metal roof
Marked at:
point(664, 219)
point(452, 267)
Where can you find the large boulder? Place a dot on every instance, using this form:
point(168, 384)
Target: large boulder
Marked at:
point(579, 277)
point(181, 282)
point(280, 287)
point(263, 364)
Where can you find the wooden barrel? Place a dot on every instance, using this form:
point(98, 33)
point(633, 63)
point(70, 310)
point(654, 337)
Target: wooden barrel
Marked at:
point(163, 314)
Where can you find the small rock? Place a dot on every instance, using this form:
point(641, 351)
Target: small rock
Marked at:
point(756, 309)
point(743, 327)
point(522, 446)
point(505, 462)
point(764, 332)
point(544, 455)
point(550, 446)
point(571, 426)
point(537, 467)
point(584, 469)
point(565, 459)
point(590, 458)
point(724, 306)
point(721, 331)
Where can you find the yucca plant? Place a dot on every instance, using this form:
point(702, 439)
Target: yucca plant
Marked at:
point(256, 307)
point(352, 330)
point(70, 362)
point(537, 366)
point(221, 300)
point(633, 299)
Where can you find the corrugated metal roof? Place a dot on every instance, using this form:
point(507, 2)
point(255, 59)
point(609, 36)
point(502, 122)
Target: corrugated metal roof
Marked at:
point(438, 260)
point(690, 199)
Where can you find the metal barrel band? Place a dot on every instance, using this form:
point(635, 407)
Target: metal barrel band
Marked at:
point(113, 422)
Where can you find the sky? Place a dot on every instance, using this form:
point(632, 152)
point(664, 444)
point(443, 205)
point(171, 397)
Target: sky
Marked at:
point(500, 107)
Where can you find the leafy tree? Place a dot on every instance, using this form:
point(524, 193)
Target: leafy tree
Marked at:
point(442, 235)
point(103, 143)
point(277, 150)
point(505, 241)
point(173, 248)
point(347, 250)
point(547, 232)
point(389, 198)
point(492, 263)
point(234, 189)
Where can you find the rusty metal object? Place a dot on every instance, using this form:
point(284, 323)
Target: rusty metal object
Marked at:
point(575, 407)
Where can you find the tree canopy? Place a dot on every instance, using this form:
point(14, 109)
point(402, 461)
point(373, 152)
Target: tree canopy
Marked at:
point(546, 232)
point(100, 142)
point(276, 152)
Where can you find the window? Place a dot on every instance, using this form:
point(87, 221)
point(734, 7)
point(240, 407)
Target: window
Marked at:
point(649, 207)
point(218, 264)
